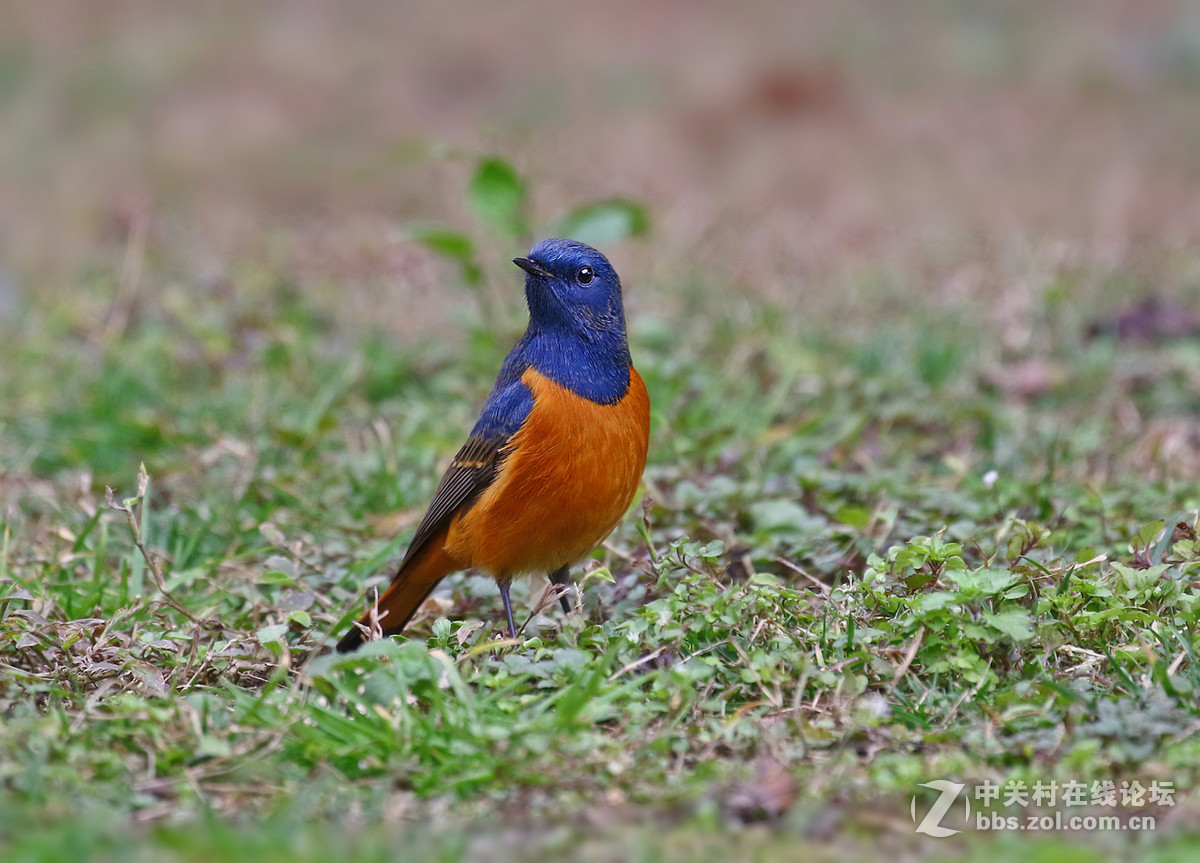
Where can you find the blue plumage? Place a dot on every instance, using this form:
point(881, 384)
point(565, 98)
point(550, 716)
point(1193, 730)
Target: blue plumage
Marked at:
point(576, 335)
point(504, 411)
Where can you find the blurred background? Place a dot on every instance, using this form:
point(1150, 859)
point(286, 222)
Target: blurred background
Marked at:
point(907, 270)
point(812, 156)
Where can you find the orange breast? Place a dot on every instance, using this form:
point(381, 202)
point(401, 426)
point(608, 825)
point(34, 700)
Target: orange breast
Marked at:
point(570, 474)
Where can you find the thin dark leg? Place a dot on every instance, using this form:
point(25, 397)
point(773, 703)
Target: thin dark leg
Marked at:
point(560, 578)
point(512, 627)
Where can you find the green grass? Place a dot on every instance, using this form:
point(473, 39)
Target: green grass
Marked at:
point(861, 563)
point(903, 520)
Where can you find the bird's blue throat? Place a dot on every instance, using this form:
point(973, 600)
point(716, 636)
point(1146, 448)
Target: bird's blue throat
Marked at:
point(596, 368)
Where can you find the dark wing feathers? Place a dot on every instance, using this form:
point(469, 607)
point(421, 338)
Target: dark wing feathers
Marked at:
point(472, 471)
point(480, 458)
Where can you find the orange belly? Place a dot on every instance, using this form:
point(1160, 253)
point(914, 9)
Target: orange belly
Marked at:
point(570, 474)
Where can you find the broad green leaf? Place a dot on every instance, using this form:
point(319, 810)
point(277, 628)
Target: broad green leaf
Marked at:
point(1139, 579)
point(853, 516)
point(497, 196)
point(445, 241)
point(1013, 622)
point(934, 601)
point(774, 515)
point(300, 618)
point(603, 222)
point(452, 245)
point(272, 634)
point(1149, 532)
point(982, 582)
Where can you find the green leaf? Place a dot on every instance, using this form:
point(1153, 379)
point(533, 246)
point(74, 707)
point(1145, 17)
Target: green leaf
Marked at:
point(1013, 622)
point(774, 515)
point(272, 634)
point(1149, 531)
point(1139, 579)
point(276, 576)
point(603, 222)
point(453, 246)
point(600, 573)
point(934, 601)
point(300, 618)
point(497, 196)
point(448, 243)
point(213, 746)
point(982, 582)
point(853, 516)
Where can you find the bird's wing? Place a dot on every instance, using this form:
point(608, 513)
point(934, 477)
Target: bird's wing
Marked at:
point(477, 463)
point(472, 471)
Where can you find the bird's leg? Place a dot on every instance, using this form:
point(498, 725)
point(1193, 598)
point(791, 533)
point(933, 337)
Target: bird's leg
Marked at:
point(560, 578)
point(512, 627)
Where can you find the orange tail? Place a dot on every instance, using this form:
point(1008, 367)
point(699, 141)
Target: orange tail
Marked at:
point(408, 590)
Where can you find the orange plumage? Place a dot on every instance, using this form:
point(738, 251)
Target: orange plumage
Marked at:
point(572, 470)
point(556, 456)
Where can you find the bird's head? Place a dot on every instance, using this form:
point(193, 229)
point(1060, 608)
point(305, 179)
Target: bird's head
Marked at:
point(573, 289)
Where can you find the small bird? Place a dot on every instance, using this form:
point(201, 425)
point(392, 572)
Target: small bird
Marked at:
point(557, 453)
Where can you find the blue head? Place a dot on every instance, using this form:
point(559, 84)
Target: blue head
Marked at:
point(576, 321)
point(572, 288)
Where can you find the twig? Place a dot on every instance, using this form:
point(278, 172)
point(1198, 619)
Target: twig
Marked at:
point(132, 507)
point(821, 586)
point(550, 594)
point(909, 655)
point(966, 694)
point(649, 657)
point(372, 630)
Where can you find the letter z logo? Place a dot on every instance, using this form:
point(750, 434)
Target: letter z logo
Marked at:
point(931, 824)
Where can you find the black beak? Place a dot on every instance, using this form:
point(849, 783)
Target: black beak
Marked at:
point(532, 267)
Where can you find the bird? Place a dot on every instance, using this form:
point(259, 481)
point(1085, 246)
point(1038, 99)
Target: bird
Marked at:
point(556, 456)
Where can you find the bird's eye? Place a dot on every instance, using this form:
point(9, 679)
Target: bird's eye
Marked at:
point(585, 275)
